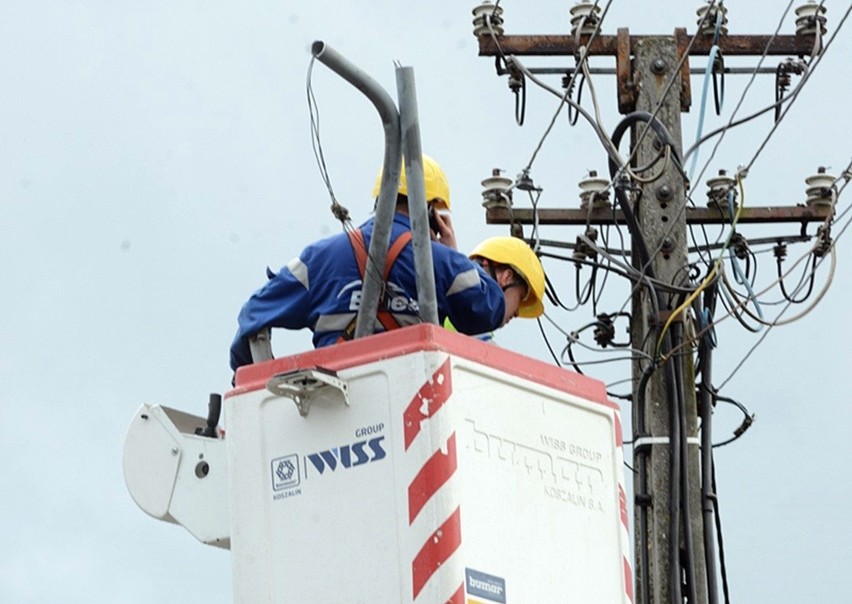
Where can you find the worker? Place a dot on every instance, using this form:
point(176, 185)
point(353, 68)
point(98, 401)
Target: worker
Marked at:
point(321, 289)
point(513, 264)
point(437, 200)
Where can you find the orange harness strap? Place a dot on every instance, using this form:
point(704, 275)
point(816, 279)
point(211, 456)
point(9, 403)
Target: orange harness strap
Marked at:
point(359, 247)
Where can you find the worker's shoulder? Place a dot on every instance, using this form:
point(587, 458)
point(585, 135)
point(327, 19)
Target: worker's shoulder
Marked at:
point(447, 255)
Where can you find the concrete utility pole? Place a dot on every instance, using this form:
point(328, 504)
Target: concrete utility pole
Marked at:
point(652, 75)
point(663, 227)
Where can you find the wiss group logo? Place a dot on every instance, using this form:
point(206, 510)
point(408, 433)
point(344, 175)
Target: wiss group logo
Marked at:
point(289, 471)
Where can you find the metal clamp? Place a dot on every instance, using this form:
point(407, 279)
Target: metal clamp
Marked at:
point(303, 385)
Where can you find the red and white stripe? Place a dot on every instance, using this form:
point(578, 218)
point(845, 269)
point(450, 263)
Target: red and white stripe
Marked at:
point(622, 505)
point(432, 453)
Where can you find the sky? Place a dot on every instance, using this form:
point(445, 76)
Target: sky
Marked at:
point(156, 157)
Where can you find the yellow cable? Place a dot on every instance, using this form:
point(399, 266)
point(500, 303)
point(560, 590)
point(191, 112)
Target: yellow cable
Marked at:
point(712, 272)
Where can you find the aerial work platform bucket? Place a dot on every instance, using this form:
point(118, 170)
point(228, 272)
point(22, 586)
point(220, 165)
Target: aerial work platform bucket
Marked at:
point(421, 465)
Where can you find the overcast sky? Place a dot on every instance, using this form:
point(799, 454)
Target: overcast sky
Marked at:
point(155, 157)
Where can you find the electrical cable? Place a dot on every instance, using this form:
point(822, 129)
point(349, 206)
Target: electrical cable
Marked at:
point(712, 273)
point(668, 86)
point(708, 71)
point(793, 95)
point(747, 87)
point(748, 419)
point(763, 291)
point(602, 136)
point(808, 276)
point(547, 342)
point(679, 415)
point(723, 568)
point(708, 495)
point(731, 306)
point(777, 322)
point(735, 263)
point(339, 211)
point(627, 271)
point(572, 120)
point(583, 58)
point(786, 321)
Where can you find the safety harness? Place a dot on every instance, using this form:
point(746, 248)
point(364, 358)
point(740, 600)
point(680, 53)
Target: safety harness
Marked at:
point(359, 247)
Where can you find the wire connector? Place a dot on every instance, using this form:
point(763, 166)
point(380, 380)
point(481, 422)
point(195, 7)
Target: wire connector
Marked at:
point(340, 212)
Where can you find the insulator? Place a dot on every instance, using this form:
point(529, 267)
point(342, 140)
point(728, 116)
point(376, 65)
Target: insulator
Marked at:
point(588, 15)
point(604, 330)
point(739, 245)
point(515, 77)
point(497, 190)
point(720, 191)
point(790, 65)
point(823, 243)
point(594, 192)
point(707, 16)
point(524, 182)
point(820, 188)
point(480, 23)
point(808, 16)
point(582, 249)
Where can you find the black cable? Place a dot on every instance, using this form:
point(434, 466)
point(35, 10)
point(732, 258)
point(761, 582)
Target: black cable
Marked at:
point(722, 566)
point(670, 377)
point(568, 81)
point(738, 313)
point(571, 358)
point(679, 453)
point(805, 275)
point(547, 342)
point(588, 289)
point(642, 499)
point(708, 495)
point(658, 128)
point(520, 90)
point(661, 285)
point(718, 90)
point(748, 419)
point(549, 289)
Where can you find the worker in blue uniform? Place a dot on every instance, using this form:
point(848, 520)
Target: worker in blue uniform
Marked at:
point(321, 289)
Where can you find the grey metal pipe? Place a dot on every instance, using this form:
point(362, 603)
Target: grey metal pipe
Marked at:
point(372, 289)
point(417, 209)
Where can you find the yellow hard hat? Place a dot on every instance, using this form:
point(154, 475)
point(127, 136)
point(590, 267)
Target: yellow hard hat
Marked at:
point(517, 254)
point(434, 179)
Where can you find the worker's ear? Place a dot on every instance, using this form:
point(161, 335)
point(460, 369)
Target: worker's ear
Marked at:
point(505, 275)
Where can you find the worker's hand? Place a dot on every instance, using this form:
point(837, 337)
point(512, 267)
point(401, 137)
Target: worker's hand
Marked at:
point(442, 228)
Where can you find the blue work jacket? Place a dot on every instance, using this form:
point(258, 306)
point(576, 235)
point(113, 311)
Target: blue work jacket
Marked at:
point(321, 290)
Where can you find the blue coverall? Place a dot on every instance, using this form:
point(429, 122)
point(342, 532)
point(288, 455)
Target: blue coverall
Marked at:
point(321, 290)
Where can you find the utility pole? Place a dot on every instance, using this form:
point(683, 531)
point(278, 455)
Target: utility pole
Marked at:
point(663, 227)
point(652, 75)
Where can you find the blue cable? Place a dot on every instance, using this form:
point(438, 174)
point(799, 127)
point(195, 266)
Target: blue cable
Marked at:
point(704, 323)
point(738, 273)
point(708, 71)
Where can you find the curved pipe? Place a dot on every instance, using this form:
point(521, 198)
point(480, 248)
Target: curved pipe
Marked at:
point(386, 203)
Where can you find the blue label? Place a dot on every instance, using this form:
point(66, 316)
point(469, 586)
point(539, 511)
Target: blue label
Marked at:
point(485, 586)
point(345, 456)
